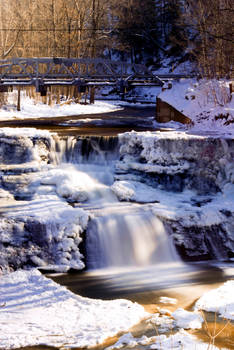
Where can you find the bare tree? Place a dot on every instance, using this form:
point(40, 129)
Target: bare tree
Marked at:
point(210, 31)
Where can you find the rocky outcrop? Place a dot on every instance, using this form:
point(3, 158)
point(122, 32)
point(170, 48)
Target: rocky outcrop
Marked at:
point(37, 227)
point(31, 241)
point(175, 162)
point(198, 171)
point(197, 242)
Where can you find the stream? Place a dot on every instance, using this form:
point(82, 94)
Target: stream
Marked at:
point(129, 252)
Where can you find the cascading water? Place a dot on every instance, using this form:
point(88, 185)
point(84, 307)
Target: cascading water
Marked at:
point(121, 239)
point(119, 234)
point(127, 236)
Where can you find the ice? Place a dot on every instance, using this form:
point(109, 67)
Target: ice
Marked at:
point(134, 191)
point(75, 185)
point(167, 300)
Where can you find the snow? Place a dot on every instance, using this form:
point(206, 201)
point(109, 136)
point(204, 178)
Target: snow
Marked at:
point(134, 191)
point(219, 300)
point(181, 340)
point(207, 103)
point(24, 132)
point(162, 321)
point(129, 341)
point(36, 310)
point(187, 320)
point(75, 185)
point(5, 194)
point(32, 109)
point(167, 300)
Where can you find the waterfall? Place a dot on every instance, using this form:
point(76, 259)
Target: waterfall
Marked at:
point(127, 236)
point(55, 175)
point(84, 149)
point(118, 235)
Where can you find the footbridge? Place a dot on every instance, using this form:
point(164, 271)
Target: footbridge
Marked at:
point(44, 72)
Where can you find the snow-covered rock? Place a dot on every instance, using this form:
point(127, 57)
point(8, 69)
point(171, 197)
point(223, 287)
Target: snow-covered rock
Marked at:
point(181, 340)
point(23, 145)
point(177, 160)
point(44, 232)
point(187, 320)
point(134, 191)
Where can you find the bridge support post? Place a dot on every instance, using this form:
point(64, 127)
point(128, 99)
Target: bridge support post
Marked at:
point(18, 99)
point(57, 95)
point(92, 95)
point(3, 89)
point(50, 95)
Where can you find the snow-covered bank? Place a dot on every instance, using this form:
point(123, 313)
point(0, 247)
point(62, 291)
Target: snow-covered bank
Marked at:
point(35, 310)
point(220, 300)
point(208, 104)
point(33, 109)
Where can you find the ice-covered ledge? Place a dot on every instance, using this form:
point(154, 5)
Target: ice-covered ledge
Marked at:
point(190, 179)
point(37, 227)
point(178, 160)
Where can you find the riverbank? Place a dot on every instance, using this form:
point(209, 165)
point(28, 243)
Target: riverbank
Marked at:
point(208, 103)
point(42, 312)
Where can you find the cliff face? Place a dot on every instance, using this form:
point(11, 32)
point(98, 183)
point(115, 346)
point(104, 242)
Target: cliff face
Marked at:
point(198, 174)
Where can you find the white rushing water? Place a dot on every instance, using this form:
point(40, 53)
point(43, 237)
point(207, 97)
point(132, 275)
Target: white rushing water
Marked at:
point(128, 235)
point(120, 234)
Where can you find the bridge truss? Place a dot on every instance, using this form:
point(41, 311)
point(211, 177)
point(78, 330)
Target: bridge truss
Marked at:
point(43, 72)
